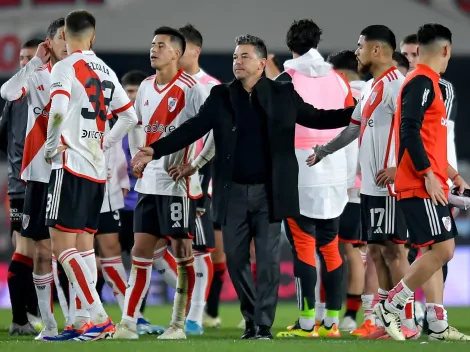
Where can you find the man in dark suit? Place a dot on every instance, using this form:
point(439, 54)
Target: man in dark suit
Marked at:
point(255, 171)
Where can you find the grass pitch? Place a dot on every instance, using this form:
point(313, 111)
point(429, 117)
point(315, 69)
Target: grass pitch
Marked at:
point(227, 338)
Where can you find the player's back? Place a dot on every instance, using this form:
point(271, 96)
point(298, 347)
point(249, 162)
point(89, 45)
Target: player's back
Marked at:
point(377, 149)
point(90, 85)
point(162, 109)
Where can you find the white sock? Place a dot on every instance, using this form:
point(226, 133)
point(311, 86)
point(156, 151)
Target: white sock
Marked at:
point(398, 297)
point(367, 306)
point(407, 315)
point(329, 321)
point(82, 281)
point(204, 272)
point(383, 294)
point(60, 292)
point(166, 266)
point(320, 307)
point(185, 286)
point(71, 320)
point(138, 285)
point(90, 259)
point(320, 312)
point(44, 285)
point(436, 315)
point(115, 275)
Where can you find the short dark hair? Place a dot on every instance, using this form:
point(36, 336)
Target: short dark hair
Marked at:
point(432, 32)
point(175, 36)
point(410, 39)
point(32, 43)
point(191, 34)
point(79, 21)
point(258, 43)
point(54, 26)
point(343, 60)
point(302, 36)
point(133, 78)
point(401, 60)
point(381, 33)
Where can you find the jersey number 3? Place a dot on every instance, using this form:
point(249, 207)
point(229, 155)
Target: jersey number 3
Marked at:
point(100, 94)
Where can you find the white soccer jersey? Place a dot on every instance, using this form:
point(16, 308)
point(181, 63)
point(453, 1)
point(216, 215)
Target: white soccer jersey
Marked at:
point(95, 94)
point(161, 110)
point(32, 83)
point(374, 113)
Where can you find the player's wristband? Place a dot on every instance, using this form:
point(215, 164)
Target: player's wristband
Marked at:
point(453, 178)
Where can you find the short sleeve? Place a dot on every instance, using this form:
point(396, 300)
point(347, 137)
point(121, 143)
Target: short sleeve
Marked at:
point(120, 101)
point(198, 96)
point(357, 115)
point(62, 76)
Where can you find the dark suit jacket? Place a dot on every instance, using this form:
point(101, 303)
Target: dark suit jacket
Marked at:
point(283, 108)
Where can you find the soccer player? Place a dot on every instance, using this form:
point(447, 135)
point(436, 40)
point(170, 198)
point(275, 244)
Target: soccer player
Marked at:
point(131, 82)
point(33, 82)
point(322, 189)
point(409, 48)
point(13, 123)
point(349, 233)
point(204, 242)
point(421, 185)
point(85, 92)
point(401, 62)
point(165, 208)
point(372, 122)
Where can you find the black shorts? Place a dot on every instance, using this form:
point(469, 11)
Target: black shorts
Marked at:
point(382, 220)
point(165, 216)
point(204, 240)
point(126, 231)
point(427, 223)
point(16, 214)
point(109, 222)
point(34, 212)
point(299, 230)
point(350, 225)
point(73, 203)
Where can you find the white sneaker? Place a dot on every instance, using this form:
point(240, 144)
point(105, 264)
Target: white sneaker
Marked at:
point(173, 333)
point(47, 332)
point(242, 324)
point(391, 322)
point(348, 324)
point(125, 332)
point(449, 334)
point(210, 322)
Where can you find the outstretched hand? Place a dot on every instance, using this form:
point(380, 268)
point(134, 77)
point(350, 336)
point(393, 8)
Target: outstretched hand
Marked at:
point(141, 159)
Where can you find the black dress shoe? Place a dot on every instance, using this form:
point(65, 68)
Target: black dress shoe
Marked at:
point(263, 333)
point(250, 331)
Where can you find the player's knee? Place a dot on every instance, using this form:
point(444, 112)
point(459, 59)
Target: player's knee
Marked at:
point(446, 251)
point(392, 253)
point(43, 254)
point(375, 252)
point(109, 246)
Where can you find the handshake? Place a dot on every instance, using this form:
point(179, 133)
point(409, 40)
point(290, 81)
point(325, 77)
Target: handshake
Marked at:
point(141, 159)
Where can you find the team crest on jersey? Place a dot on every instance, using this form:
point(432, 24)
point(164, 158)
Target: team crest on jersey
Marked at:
point(25, 221)
point(372, 97)
point(172, 104)
point(447, 223)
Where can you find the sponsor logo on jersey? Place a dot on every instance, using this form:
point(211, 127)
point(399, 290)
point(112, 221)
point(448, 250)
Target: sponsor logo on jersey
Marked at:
point(89, 134)
point(159, 128)
point(40, 111)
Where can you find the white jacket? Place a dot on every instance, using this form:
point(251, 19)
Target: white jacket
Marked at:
point(119, 180)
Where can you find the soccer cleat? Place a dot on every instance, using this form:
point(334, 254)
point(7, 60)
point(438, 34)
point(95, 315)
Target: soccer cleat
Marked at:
point(97, 332)
point(47, 332)
point(21, 330)
point(35, 321)
point(348, 324)
point(411, 334)
point(332, 331)
point(449, 334)
point(296, 331)
point(192, 328)
point(125, 332)
point(145, 328)
point(365, 329)
point(391, 321)
point(173, 333)
point(69, 333)
point(210, 322)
